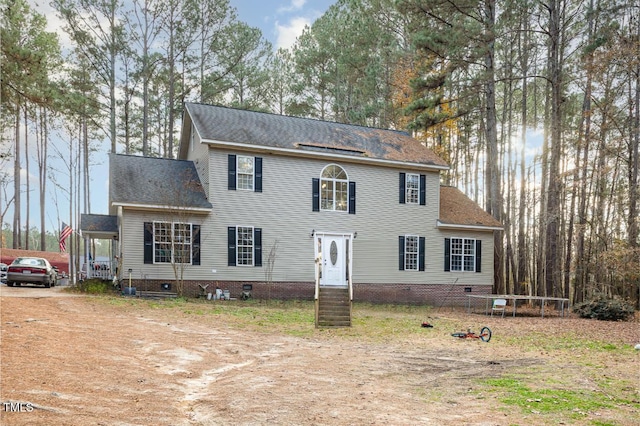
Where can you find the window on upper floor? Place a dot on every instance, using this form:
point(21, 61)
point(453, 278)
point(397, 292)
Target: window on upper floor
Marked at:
point(333, 191)
point(412, 189)
point(171, 242)
point(245, 173)
point(333, 188)
point(463, 254)
point(411, 253)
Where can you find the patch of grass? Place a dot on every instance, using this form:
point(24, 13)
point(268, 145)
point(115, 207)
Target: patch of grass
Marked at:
point(574, 404)
point(540, 341)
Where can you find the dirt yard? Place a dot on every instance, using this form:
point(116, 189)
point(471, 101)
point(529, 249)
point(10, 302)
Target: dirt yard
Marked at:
point(69, 360)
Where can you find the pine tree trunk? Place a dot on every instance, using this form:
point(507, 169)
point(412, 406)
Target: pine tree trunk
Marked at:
point(552, 251)
point(17, 207)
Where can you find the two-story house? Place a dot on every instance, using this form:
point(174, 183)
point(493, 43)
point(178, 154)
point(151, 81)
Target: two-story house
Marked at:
point(291, 204)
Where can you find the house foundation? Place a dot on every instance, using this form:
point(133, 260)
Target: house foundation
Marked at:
point(407, 294)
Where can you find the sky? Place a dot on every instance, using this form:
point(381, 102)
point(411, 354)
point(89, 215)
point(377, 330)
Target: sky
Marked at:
point(280, 21)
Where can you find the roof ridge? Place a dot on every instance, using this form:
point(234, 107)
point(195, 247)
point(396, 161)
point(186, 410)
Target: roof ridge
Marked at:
point(148, 157)
point(317, 120)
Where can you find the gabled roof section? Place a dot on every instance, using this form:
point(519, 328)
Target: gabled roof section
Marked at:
point(460, 212)
point(217, 124)
point(155, 182)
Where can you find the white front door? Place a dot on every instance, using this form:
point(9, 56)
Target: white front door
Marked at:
point(333, 255)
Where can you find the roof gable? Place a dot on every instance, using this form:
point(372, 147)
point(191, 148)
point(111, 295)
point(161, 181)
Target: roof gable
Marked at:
point(458, 210)
point(137, 180)
point(272, 131)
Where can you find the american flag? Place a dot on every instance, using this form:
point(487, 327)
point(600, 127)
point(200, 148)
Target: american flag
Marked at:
point(66, 231)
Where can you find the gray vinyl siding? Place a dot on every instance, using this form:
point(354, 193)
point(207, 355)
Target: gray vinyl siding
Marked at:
point(284, 212)
point(199, 154)
point(133, 239)
point(484, 277)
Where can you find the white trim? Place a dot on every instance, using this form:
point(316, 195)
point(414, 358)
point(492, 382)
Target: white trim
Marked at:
point(406, 188)
point(335, 182)
point(155, 207)
point(253, 246)
point(417, 252)
point(462, 255)
point(445, 225)
point(253, 173)
point(172, 241)
point(318, 260)
point(317, 155)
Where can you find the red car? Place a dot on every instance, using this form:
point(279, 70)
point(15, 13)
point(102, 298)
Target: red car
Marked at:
point(31, 270)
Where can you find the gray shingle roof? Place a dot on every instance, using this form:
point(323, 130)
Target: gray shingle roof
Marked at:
point(99, 223)
point(155, 181)
point(222, 124)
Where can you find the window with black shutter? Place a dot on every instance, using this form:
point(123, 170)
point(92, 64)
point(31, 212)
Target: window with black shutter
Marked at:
point(447, 254)
point(352, 198)
point(232, 172)
point(258, 174)
point(195, 246)
point(315, 194)
point(462, 254)
point(148, 242)
point(231, 246)
point(244, 172)
point(244, 246)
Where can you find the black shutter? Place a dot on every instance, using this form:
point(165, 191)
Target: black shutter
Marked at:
point(258, 173)
point(403, 181)
point(257, 246)
point(447, 254)
point(148, 242)
point(352, 198)
point(423, 184)
point(195, 245)
point(231, 244)
point(315, 190)
point(232, 172)
point(478, 255)
point(421, 254)
point(401, 253)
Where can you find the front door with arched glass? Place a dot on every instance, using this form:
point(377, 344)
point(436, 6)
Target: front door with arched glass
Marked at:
point(333, 253)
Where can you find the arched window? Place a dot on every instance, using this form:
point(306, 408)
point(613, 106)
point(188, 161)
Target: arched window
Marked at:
point(334, 188)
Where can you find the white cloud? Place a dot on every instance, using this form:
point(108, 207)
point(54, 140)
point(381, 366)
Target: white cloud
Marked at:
point(287, 34)
point(295, 5)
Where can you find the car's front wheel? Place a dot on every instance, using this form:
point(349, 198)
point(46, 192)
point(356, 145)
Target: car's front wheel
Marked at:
point(9, 284)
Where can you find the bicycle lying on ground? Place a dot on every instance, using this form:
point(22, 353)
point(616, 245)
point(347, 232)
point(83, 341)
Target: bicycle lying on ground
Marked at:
point(485, 334)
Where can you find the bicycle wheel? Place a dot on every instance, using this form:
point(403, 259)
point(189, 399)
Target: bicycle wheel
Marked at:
point(485, 334)
point(460, 335)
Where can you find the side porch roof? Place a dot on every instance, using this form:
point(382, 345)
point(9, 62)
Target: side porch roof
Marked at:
point(99, 226)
